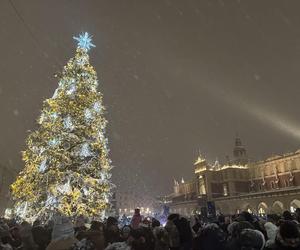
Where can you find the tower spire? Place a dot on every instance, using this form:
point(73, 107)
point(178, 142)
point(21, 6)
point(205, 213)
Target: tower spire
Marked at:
point(239, 152)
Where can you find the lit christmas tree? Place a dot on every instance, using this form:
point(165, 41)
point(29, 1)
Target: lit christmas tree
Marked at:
point(67, 168)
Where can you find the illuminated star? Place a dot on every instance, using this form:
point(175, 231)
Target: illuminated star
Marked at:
point(84, 41)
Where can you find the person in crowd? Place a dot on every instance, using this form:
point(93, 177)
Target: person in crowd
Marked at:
point(26, 237)
point(80, 225)
point(251, 239)
point(297, 214)
point(146, 230)
point(136, 241)
point(95, 235)
point(125, 233)
point(155, 223)
point(234, 231)
point(271, 230)
point(16, 237)
point(210, 237)
point(136, 219)
point(41, 235)
point(197, 226)
point(185, 233)
point(222, 223)
point(273, 218)
point(5, 238)
point(161, 238)
point(62, 235)
point(112, 232)
point(286, 215)
point(287, 238)
point(174, 237)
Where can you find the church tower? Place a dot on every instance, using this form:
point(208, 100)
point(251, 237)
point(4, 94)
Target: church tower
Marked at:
point(239, 152)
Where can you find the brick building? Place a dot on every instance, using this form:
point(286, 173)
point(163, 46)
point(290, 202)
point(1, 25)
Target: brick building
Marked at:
point(271, 185)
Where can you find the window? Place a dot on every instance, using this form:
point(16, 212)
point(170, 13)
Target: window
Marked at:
point(286, 183)
point(261, 211)
point(225, 190)
point(292, 209)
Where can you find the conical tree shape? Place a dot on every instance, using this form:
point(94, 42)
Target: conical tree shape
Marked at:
point(67, 168)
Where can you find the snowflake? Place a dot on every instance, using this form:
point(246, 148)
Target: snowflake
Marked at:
point(84, 41)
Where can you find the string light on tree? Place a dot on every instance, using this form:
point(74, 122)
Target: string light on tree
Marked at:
point(68, 154)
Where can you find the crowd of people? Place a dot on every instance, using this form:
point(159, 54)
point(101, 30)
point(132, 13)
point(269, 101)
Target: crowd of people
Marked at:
point(239, 232)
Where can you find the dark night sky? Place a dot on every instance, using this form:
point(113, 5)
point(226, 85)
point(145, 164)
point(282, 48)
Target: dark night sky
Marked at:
point(177, 76)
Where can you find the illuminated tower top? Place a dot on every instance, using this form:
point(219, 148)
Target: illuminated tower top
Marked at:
point(239, 152)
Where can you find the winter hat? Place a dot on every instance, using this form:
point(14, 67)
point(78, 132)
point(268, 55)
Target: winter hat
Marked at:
point(111, 221)
point(63, 228)
point(155, 223)
point(232, 227)
point(97, 225)
point(173, 217)
point(287, 215)
point(212, 226)
point(252, 239)
point(237, 227)
point(289, 230)
point(3, 231)
point(80, 222)
point(271, 230)
point(25, 230)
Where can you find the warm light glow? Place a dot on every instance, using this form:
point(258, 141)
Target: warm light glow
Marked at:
point(67, 168)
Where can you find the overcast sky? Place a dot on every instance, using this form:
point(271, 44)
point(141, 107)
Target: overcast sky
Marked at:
point(177, 77)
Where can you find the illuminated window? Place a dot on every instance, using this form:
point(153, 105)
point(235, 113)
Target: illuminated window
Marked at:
point(225, 190)
point(292, 209)
point(261, 211)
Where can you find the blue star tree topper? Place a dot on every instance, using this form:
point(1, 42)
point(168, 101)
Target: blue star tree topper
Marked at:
point(84, 41)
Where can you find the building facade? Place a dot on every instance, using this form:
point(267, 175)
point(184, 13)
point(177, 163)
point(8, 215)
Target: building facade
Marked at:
point(268, 186)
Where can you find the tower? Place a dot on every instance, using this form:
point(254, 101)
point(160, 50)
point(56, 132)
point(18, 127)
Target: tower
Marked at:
point(239, 152)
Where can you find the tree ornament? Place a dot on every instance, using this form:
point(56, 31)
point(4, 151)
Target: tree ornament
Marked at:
point(54, 116)
point(72, 89)
point(51, 201)
point(43, 166)
point(84, 41)
point(88, 115)
point(68, 124)
point(66, 188)
point(85, 150)
point(53, 143)
point(97, 107)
